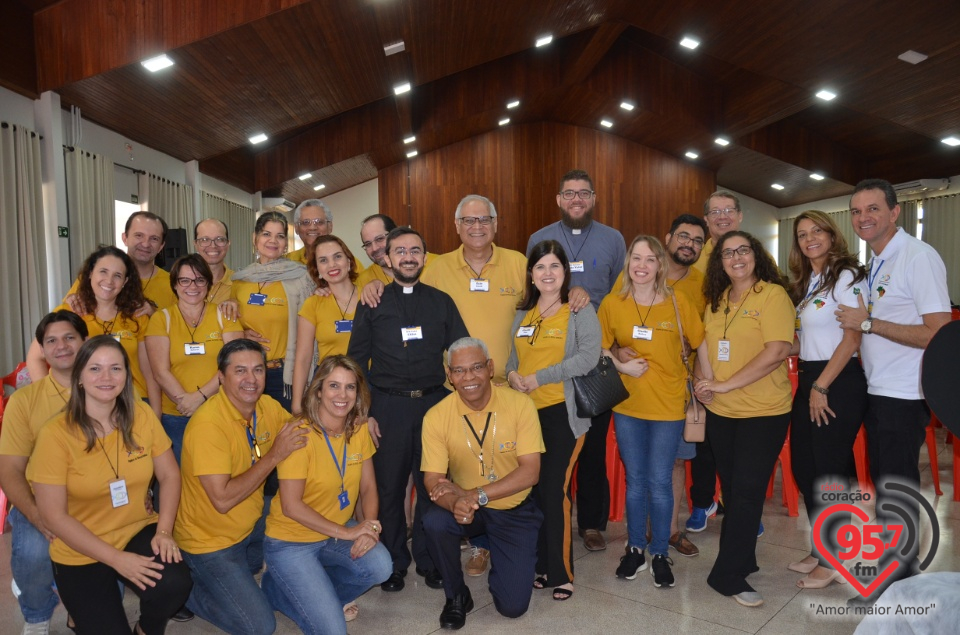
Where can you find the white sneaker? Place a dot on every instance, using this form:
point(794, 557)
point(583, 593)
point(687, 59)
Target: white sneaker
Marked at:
point(40, 628)
point(14, 588)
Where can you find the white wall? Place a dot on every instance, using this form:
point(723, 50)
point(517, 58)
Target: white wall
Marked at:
point(349, 207)
point(759, 219)
point(16, 109)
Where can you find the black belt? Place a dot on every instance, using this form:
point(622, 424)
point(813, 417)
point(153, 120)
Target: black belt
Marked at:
point(412, 394)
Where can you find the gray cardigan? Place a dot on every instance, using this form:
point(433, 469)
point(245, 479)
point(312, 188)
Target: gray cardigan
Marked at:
point(581, 353)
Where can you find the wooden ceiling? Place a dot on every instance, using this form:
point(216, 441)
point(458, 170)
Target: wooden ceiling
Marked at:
point(312, 74)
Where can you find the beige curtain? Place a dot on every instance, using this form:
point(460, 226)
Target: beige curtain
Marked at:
point(173, 202)
point(908, 217)
point(23, 294)
point(239, 221)
point(842, 220)
point(90, 205)
point(941, 230)
point(784, 243)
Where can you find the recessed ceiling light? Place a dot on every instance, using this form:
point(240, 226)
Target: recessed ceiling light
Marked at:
point(626, 105)
point(317, 188)
point(504, 121)
point(817, 177)
point(400, 89)
point(777, 186)
point(690, 154)
point(258, 138)
point(720, 141)
point(411, 154)
point(157, 63)
point(606, 123)
point(690, 42)
point(912, 57)
point(826, 95)
point(392, 49)
point(951, 141)
point(305, 176)
point(410, 139)
point(543, 40)
point(513, 104)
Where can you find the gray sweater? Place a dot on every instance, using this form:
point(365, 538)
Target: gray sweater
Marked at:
point(581, 353)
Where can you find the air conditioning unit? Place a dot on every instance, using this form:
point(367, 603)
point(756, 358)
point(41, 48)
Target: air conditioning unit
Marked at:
point(920, 186)
point(281, 205)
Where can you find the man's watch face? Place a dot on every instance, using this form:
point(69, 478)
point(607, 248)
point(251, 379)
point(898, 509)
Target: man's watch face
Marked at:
point(866, 325)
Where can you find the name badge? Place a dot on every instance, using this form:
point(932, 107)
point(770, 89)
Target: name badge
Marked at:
point(194, 348)
point(115, 336)
point(411, 333)
point(118, 493)
point(576, 267)
point(343, 326)
point(796, 324)
point(723, 351)
point(525, 331)
point(344, 498)
point(479, 285)
point(642, 333)
point(257, 299)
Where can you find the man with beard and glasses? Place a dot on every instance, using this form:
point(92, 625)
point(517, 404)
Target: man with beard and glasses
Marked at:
point(401, 341)
point(596, 253)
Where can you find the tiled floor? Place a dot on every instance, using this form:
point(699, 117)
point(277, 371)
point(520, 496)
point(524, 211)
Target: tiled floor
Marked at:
point(604, 604)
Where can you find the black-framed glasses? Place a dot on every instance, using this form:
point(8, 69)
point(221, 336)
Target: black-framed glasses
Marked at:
point(460, 371)
point(470, 221)
point(219, 241)
point(569, 195)
point(186, 282)
point(726, 211)
point(307, 222)
point(742, 250)
point(686, 239)
point(377, 240)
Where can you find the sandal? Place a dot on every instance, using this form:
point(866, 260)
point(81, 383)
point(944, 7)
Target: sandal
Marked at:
point(803, 567)
point(540, 582)
point(820, 583)
point(562, 593)
point(350, 611)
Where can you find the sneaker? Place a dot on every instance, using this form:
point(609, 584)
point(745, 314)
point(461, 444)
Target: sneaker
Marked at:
point(14, 588)
point(660, 570)
point(38, 628)
point(682, 545)
point(477, 564)
point(631, 563)
point(698, 518)
point(760, 530)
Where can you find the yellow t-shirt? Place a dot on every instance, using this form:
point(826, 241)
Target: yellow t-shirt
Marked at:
point(488, 314)
point(60, 458)
point(661, 392)
point(547, 349)
point(514, 431)
point(314, 465)
point(324, 313)
point(130, 331)
point(270, 320)
point(701, 263)
point(190, 370)
point(215, 442)
point(220, 292)
point(156, 289)
point(27, 411)
point(764, 315)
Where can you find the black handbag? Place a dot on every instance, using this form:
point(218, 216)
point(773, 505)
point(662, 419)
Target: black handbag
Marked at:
point(599, 390)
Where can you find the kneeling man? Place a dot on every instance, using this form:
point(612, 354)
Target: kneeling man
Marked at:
point(488, 439)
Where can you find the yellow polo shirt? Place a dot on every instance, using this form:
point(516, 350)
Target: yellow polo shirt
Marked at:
point(270, 320)
point(314, 465)
point(190, 370)
point(60, 458)
point(299, 255)
point(27, 411)
point(156, 289)
point(215, 442)
point(764, 315)
point(489, 314)
point(547, 349)
point(220, 292)
point(324, 313)
point(514, 432)
point(661, 392)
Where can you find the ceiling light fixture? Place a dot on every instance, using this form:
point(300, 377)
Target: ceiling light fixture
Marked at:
point(543, 40)
point(690, 154)
point(393, 49)
point(400, 89)
point(410, 139)
point(626, 105)
point(513, 104)
point(951, 141)
point(826, 95)
point(411, 154)
point(777, 186)
point(606, 123)
point(317, 188)
point(689, 42)
point(817, 177)
point(720, 141)
point(258, 138)
point(504, 121)
point(304, 176)
point(157, 63)
point(912, 57)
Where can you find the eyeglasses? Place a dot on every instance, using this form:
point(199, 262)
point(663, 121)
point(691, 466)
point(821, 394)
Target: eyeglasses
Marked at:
point(219, 241)
point(685, 239)
point(569, 195)
point(743, 250)
point(726, 211)
point(470, 221)
point(460, 371)
point(307, 222)
point(199, 282)
point(382, 238)
point(403, 251)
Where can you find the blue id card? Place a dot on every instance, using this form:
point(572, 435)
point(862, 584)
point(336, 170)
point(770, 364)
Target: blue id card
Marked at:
point(257, 299)
point(343, 326)
point(344, 498)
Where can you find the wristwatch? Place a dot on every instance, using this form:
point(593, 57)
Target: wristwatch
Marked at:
point(482, 498)
point(867, 325)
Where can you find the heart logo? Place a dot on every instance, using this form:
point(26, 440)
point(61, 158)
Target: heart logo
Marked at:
point(865, 591)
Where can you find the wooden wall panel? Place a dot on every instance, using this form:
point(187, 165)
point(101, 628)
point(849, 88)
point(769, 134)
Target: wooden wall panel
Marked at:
point(639, 190)
point(19, 68)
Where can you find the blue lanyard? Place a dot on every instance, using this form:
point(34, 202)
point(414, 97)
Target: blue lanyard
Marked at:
point(252, 440)
point(341, 467)
point(813, 291)
point(870, 280)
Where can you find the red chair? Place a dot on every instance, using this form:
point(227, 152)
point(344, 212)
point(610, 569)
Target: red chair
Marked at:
point(863, 462)
point(617, 477)
point(18, 378)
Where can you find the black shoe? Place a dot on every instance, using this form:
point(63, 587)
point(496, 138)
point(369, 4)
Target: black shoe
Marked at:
point(183, 615)
point(433, 578)
point(394, 582)
point(454, 614)
point(631, 563)
point(660, 569)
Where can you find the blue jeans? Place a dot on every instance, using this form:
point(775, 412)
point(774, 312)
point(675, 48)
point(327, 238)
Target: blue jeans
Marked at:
point(174, 426)
point(225, 593)
point(31, 568)
point(310, 582)
point(648, 449)
point(274, 387)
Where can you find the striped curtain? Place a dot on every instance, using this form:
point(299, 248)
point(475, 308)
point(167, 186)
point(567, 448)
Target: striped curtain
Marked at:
point(941, 230)
point(173, 202)
point(90, 204)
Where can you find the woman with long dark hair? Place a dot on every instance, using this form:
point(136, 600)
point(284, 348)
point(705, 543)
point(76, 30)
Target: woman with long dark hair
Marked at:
point(831, 398)
point(551, 346)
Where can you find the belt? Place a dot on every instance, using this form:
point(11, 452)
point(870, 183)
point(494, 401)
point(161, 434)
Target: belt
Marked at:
point(273, 364)
point(413, 394)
